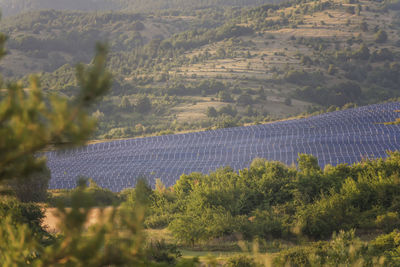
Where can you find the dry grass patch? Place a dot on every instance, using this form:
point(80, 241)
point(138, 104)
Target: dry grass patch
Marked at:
point(194, 112)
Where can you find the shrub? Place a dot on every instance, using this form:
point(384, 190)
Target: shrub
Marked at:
point(157, 221)
point(211, 112)
point(225, 96)
point(263, 224)
point(23, 213)
point(228, 110)
point(386, 246)
point(288, 101)
point(101, 196)
point(388, 221)
point(322, 218)
point(343, 250)
point(240, 261)
point(381, 36)
point(159, 251)
point(244, 99)
point(143, 105)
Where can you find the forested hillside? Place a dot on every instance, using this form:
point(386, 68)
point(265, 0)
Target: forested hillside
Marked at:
point(185, 69)
point(12, 7)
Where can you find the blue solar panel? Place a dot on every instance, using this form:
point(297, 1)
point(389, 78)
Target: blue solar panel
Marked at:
point(337, 137)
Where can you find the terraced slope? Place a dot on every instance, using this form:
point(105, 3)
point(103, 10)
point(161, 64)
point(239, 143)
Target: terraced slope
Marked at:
point(337, 137)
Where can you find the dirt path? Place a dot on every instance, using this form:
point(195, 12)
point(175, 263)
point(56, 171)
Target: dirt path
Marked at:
point(52, 221)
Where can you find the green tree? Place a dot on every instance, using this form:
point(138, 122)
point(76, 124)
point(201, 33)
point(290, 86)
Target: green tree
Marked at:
point(331, 69)
point(307, 163)
point(351, 10)
point(143, 105)
point(261, 93)
point(364, 26)
point(244, 100)
point(381, 36)
point(125, 103)
point(225, 96)
point(138, 26)
point(30, 122)
point(363, 53)
point(288, 101)
point(228, 110)
point(211, 112)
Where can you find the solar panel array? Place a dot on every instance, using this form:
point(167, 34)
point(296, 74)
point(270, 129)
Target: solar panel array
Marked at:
point(337, 137)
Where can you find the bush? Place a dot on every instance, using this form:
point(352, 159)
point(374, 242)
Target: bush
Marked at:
point(322, 218)
point(228, 110)
point(226, 122)
point(211, 112)
point(263, 224)
point(101, 196)
point(244, 100)
point(157, 221)
point(159, 251)
point(386, 246)
point(225, 96)
point(240, 261)
point(143, 105)
point(381, 36)
point(23, 213)
point(343, 250)
point(388, 221)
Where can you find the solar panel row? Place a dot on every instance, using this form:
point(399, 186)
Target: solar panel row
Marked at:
point(338, 137)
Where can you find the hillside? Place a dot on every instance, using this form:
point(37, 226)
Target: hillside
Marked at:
point(13, 7)
point(214, 68)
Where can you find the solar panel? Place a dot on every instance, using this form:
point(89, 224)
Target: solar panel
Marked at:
point(337, 137)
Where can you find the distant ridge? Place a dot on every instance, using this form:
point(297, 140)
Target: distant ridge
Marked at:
point(338, 137)
point(13, 7)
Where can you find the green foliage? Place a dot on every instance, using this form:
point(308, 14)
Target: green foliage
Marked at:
point(343, 250)
point(228, 110)
point(126, 104)
point(271, 200)
point(307, 163)
point(264, 224)
point(387, 246)
point(143, 104)
point(32, 188)
point(244, 99)
point(17, 251)
point(211, 112)
point(388, 221)
point(25, 118)
point(101, 196)
point(17, 6)
point(159, 251)
point(337, 95)
point(19, 213)
point(28, 125)
point(363, 53)
point(225, 96)
point(364, 26)
point(381, 36)
point(241, 261)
